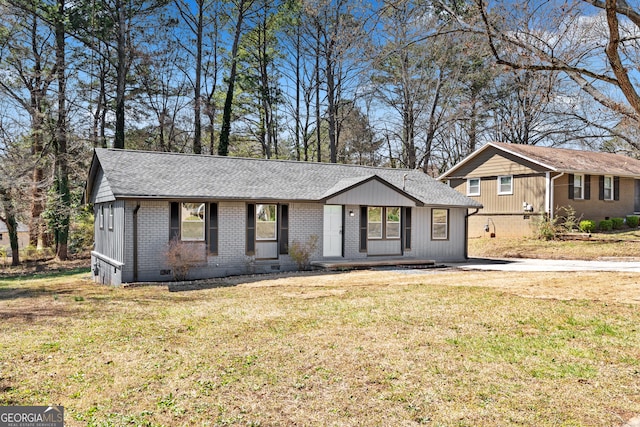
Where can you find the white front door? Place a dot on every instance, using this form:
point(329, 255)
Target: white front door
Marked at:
point(332, 231)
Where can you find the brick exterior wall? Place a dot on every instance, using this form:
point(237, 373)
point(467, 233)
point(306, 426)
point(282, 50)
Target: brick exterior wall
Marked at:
point(305, 220)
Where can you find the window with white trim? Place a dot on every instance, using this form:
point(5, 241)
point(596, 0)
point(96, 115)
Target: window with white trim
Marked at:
point(578, 186)
point(383, 222)
point(608, 188)
point(392, 226)
point(505, 184)
point(473, 187)
point(267, 222)
point(111, 213)
point(439, 224)
point(192, 221)
point(374, 222)
point(101, 217)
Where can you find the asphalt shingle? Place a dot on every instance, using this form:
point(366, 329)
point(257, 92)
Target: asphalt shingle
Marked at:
point(146, 174)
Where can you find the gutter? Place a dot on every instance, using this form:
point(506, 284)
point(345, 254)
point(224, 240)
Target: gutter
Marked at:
point(466, 232)
point(135, 242)
point(551, 193)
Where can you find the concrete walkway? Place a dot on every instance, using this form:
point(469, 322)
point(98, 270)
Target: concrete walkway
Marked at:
point(524, 264)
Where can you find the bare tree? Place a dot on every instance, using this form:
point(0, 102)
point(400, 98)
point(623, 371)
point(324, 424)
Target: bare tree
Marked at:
point(595, 51)
point(241, 9)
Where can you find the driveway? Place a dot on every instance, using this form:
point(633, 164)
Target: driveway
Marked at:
point(524, 264)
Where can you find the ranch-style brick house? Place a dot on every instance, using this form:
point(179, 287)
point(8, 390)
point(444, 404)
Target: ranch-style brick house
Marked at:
point(518, 183)
point(241, 215)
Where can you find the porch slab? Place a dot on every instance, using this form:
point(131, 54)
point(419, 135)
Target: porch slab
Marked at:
point(373, 262)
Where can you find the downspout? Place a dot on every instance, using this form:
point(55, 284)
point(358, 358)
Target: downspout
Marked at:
point(551, 192)
point(135, 242)
point(466, 232)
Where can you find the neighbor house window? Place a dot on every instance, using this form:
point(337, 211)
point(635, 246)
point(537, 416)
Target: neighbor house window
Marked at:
point(0, 236)
point(578, 186)
point(101, 217)
point(392, 229)
point(608, 188)
point(192, 222)
point(439, 224)
point(473, 187)
point(374, 222)
point(110, 217)
point(266, 222)
point(505, 184)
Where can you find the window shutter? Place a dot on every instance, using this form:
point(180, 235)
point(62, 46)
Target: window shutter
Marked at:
point(570, 186)
point(174, 222)
point(283, 232)
point(587, 187)
point(616, 188)
point(363, 228)
point(406, 221)
point(213, 228)
point(251, 229)
point(601, 187)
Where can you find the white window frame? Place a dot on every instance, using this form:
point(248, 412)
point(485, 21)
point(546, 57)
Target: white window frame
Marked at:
point(469, 191)
point(579, 177)
point(259, 210)
point(101, 217)
point(434, 235)
point(610, 188)
point(111, 214)
point(387, 222)
point(500, 191)
point(374, 237)
point(200, 209)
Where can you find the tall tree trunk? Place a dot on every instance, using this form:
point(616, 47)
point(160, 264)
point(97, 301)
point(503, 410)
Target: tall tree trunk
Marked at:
point(62, 167)
point(298, 84)
point(223, 146)
point(121, 73)
point(11, 222)
point(197, 120)
point(317, 65)
point(37, 90)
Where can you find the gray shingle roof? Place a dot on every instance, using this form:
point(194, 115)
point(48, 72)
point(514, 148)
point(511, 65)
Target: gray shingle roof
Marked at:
point(146, 174)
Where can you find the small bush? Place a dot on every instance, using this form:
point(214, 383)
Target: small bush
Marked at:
point(301, 252)
point(567, 221)
point(605, 225)
point(546, 229)
point(182, 257)
point(632, 221)
point(587, 226)
point(618, 223)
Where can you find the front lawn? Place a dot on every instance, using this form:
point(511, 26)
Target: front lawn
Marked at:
point(601, 245)
point(362, 348)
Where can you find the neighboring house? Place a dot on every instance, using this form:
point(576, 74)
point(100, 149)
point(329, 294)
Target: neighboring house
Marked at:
point(23, 237)
point(518, 183)
point(242, 215)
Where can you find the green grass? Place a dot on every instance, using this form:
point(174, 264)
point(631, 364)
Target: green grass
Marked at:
point(362, 348)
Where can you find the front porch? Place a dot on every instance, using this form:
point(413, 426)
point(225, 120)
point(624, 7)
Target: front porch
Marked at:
point(371, 262)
